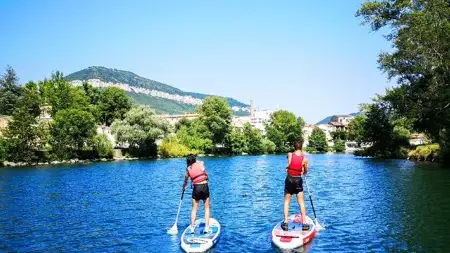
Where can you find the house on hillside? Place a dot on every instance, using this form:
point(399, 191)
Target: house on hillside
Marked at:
point(340, 122)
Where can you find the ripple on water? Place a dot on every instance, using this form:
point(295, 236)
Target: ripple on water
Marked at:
point(366, 205)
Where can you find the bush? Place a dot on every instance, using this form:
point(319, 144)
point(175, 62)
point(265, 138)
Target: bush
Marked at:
point(171, 147)
point(102, 145)
point(424, 152)
point(310, 150)
point(269, 146)
point(339, 146)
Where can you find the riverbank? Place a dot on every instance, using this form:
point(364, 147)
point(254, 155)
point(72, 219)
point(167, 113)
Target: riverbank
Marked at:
point(429, 153)
point(65, 162)
point(126, 158)
point(88, 161)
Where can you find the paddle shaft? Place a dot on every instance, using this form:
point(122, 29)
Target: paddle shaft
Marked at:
point(179, 206)
point(310, 199)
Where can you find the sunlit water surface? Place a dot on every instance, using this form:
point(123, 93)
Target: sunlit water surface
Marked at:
point(366, 205)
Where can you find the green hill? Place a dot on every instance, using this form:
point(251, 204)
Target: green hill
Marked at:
point(172, 101)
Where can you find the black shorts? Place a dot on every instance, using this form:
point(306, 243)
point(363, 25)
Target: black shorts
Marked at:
point(293, 185)
point(200, 192)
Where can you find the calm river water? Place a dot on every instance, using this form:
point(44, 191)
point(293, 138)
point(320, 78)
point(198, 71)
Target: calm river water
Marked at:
point(366, 205)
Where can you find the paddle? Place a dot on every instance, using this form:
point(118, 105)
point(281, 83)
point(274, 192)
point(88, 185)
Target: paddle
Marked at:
point(319, 227)
point(174, 229)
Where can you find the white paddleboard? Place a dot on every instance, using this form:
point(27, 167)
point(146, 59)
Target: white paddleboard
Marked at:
point(199, 241)
point(296, 236)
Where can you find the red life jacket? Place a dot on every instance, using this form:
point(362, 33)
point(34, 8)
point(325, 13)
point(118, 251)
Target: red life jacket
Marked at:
point(196, 173)
point(296, 166)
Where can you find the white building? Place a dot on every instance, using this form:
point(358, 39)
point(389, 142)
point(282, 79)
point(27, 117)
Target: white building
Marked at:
point(256, 119)
point(326, 128)
point(307, 130)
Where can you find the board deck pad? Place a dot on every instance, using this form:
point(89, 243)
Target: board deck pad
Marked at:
point(199, 233)
point(296, 235)
point(294, 229)
point(199, 241)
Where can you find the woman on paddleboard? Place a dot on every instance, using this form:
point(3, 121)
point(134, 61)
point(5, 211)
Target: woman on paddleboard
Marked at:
point(293, 184)
point(196, 172)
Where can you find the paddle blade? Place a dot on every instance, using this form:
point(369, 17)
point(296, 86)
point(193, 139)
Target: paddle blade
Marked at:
point(318, 226)
point(173, 230)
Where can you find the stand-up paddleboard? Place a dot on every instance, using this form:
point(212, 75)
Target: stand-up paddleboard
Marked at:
point(296, 236)
point(199, 241)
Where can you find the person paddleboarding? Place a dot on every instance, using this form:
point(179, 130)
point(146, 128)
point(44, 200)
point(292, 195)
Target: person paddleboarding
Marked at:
point(196, 172)
point(297, 166)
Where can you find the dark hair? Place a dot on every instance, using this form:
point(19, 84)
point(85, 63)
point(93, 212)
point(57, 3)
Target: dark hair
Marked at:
point(191, 159)
point(298, 145)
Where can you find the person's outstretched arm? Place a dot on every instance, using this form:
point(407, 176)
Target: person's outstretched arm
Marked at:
point(186, 177)
point(305, 166)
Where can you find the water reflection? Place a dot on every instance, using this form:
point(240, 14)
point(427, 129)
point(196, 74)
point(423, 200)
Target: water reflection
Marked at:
point(367, 205)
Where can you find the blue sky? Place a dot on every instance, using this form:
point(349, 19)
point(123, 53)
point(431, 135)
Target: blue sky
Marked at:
point(310, 57)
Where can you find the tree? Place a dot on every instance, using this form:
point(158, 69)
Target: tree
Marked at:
point(387, 136)
point(61, 95)
point(171, 147)
point(9, 91)
point(195, 135)
point(113, 104)
point(30, 99)
point(236, 141)
point(339, 145)
point(216, 114)
point(22, 133)
point(140, 129)
point(284, 129)
point(339, 135)
point(339, 138)
point(356, 129)
point(72, 129)
point(22, 137)
point(318, 140)
point(93, 93)
point(420, 34)
point(254, 140)
point(102, 145)
point(269, 146)
point(182, 122)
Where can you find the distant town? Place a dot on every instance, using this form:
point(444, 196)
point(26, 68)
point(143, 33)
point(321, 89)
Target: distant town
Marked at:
point(257, 118)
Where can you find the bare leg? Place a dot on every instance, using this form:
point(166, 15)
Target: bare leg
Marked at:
point(301, 203)
point(287, 200)
point(206, 203)
point(194, 211)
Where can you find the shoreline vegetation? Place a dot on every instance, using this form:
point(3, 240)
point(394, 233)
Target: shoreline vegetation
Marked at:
point(423, 153)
